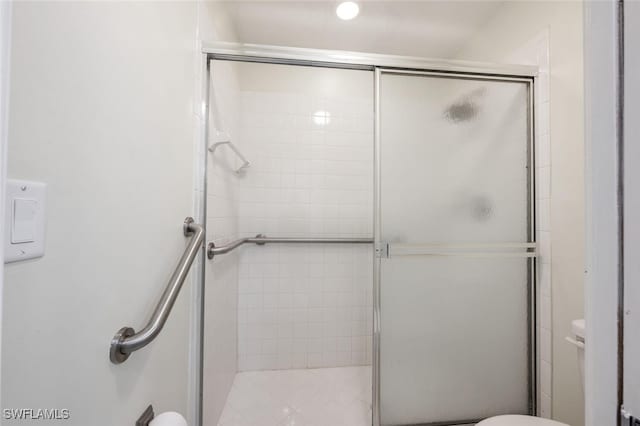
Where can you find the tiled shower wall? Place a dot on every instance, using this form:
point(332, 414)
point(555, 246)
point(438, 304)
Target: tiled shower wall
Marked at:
point(308, 133)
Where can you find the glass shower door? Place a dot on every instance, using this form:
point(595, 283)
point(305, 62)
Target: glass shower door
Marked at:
point(454, 232)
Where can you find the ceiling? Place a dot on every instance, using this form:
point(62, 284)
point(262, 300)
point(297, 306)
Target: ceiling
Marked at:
point(415, 28)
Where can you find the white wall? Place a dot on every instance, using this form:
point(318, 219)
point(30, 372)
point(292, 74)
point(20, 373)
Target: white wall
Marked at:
point(602, 143)
point(306, 305)
point(5, 56)
point(102, 109)
point(513, 26)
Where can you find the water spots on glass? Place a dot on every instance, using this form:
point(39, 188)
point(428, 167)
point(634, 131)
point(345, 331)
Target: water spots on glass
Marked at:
point(461, 111)
point(481, 208)
point(466, 108)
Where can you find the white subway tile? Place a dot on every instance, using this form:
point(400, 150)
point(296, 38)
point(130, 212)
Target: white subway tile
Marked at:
point(545, 406)
point(543, 182)
point(315, 302)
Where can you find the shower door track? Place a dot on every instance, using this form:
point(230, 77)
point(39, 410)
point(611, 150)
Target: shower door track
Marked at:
point(243, 52)
point(377, 63)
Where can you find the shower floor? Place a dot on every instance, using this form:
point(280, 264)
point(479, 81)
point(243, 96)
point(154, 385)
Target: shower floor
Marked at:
point(310, 397)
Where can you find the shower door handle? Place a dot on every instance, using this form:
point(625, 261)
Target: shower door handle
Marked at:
point(388, 250)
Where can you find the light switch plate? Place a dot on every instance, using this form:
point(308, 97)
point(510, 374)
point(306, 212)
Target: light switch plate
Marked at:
point(24, 220)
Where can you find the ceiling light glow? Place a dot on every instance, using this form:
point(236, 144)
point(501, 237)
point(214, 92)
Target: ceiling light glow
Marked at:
point(347, 10)
point(322, 118)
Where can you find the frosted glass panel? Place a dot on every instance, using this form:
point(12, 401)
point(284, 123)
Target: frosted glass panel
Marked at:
point(454, 170)
point(454, 160)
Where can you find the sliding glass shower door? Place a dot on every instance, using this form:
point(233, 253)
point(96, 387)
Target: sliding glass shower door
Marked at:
point(454, 241)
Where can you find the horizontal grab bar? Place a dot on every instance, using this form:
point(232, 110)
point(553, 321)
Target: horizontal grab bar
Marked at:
point(260, 239)
point(126, 339)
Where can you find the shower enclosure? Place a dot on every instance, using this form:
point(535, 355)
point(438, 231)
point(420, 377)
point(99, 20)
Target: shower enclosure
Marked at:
point(440, 232)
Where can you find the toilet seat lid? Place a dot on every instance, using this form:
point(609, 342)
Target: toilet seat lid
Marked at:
point(519, 421)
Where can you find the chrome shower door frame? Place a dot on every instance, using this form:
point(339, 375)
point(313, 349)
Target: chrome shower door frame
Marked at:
point(531, 234)
point(378, 64)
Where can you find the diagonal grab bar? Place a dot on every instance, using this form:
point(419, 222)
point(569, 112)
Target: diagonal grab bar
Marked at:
point(126, 340)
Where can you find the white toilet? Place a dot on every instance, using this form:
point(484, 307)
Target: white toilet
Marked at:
point(577, 340)
point(519, 421)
